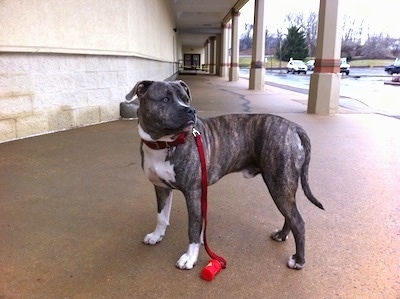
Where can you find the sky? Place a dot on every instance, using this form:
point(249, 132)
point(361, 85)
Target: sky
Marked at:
point(378, 15)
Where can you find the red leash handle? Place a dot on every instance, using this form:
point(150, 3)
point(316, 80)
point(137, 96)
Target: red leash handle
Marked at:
point(204, 185)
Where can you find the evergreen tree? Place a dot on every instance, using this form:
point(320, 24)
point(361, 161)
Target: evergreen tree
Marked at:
point(294, 45)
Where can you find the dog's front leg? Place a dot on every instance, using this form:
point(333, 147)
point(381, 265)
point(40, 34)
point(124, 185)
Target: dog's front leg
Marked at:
point(189, 258)
point(164, 203)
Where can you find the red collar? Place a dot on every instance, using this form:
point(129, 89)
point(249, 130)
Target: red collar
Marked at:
point(157, 145)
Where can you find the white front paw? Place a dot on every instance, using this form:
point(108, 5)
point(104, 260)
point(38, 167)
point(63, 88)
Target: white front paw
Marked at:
point(153, 238)
point(189, 259)
point(158, 234)
point(185, 262)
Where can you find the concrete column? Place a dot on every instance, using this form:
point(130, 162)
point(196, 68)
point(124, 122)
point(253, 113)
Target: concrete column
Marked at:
point(212, 55)
point(234, 68)
point(218, 47)
point(206, 56)
point(225, 50)
point(323, 96)
point(257, 69)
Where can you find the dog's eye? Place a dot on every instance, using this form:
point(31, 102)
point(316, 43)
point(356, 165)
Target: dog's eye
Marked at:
point(165, 100)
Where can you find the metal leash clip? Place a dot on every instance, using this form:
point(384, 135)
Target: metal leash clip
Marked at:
point(195, 132)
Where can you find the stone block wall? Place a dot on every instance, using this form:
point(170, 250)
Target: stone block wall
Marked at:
point(42, 93)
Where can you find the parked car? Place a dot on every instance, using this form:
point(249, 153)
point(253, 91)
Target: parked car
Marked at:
point(393, 68)
point(310, 65)
point(296, 66)
point(344, 66)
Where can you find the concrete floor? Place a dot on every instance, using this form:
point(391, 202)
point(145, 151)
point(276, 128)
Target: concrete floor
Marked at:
point(75, 206)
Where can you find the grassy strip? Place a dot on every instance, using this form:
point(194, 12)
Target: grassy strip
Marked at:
point(245, 61)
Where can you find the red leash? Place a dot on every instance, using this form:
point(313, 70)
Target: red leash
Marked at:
point(204, 185)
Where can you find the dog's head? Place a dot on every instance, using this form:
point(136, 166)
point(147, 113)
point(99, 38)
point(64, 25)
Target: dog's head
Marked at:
point(163, 107)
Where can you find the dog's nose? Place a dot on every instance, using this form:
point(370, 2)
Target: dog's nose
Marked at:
point(190, 110)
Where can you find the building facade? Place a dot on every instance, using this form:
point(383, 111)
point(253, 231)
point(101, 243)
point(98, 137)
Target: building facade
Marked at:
point(69, 64)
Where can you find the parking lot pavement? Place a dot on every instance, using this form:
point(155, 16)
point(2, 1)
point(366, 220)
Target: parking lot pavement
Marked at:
point(364, 90)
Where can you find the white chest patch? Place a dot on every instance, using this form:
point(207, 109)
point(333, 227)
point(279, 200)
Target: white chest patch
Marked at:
point(156, 168)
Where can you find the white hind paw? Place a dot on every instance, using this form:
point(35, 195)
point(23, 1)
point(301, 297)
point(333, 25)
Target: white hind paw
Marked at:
point(292, 264)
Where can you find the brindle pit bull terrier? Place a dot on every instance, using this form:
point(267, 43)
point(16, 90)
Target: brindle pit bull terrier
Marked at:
point(269, 145)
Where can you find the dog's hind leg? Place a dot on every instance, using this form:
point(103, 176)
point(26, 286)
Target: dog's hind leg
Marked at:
point(282, 187)
point(281, 235)
point(164, 204)
point(297, 261)
point(295, 223)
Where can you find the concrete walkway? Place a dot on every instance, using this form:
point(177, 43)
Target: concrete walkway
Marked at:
point(75, 206)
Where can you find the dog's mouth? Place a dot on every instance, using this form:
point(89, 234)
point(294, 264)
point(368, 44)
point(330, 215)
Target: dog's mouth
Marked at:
point(172, 126)
point(189, 126)
point(186, 127)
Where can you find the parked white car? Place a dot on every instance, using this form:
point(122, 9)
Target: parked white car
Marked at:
point(310, 65)
point(296, 66)
point(344, 66)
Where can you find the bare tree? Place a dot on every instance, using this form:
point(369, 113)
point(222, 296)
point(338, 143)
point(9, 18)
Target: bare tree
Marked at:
point(246, 39)
point(352, 30)
point(271, 43)
point(296, 20)
point(311, 31)
point(377, 46)
point(395, 47)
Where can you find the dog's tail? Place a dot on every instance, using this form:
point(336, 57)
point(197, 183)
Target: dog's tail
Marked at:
point(304, 169)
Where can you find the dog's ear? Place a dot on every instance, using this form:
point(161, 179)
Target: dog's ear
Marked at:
point(186, 88)
point(139, 89)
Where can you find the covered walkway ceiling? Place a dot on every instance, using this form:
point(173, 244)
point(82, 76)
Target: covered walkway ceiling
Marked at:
point(197, 20)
